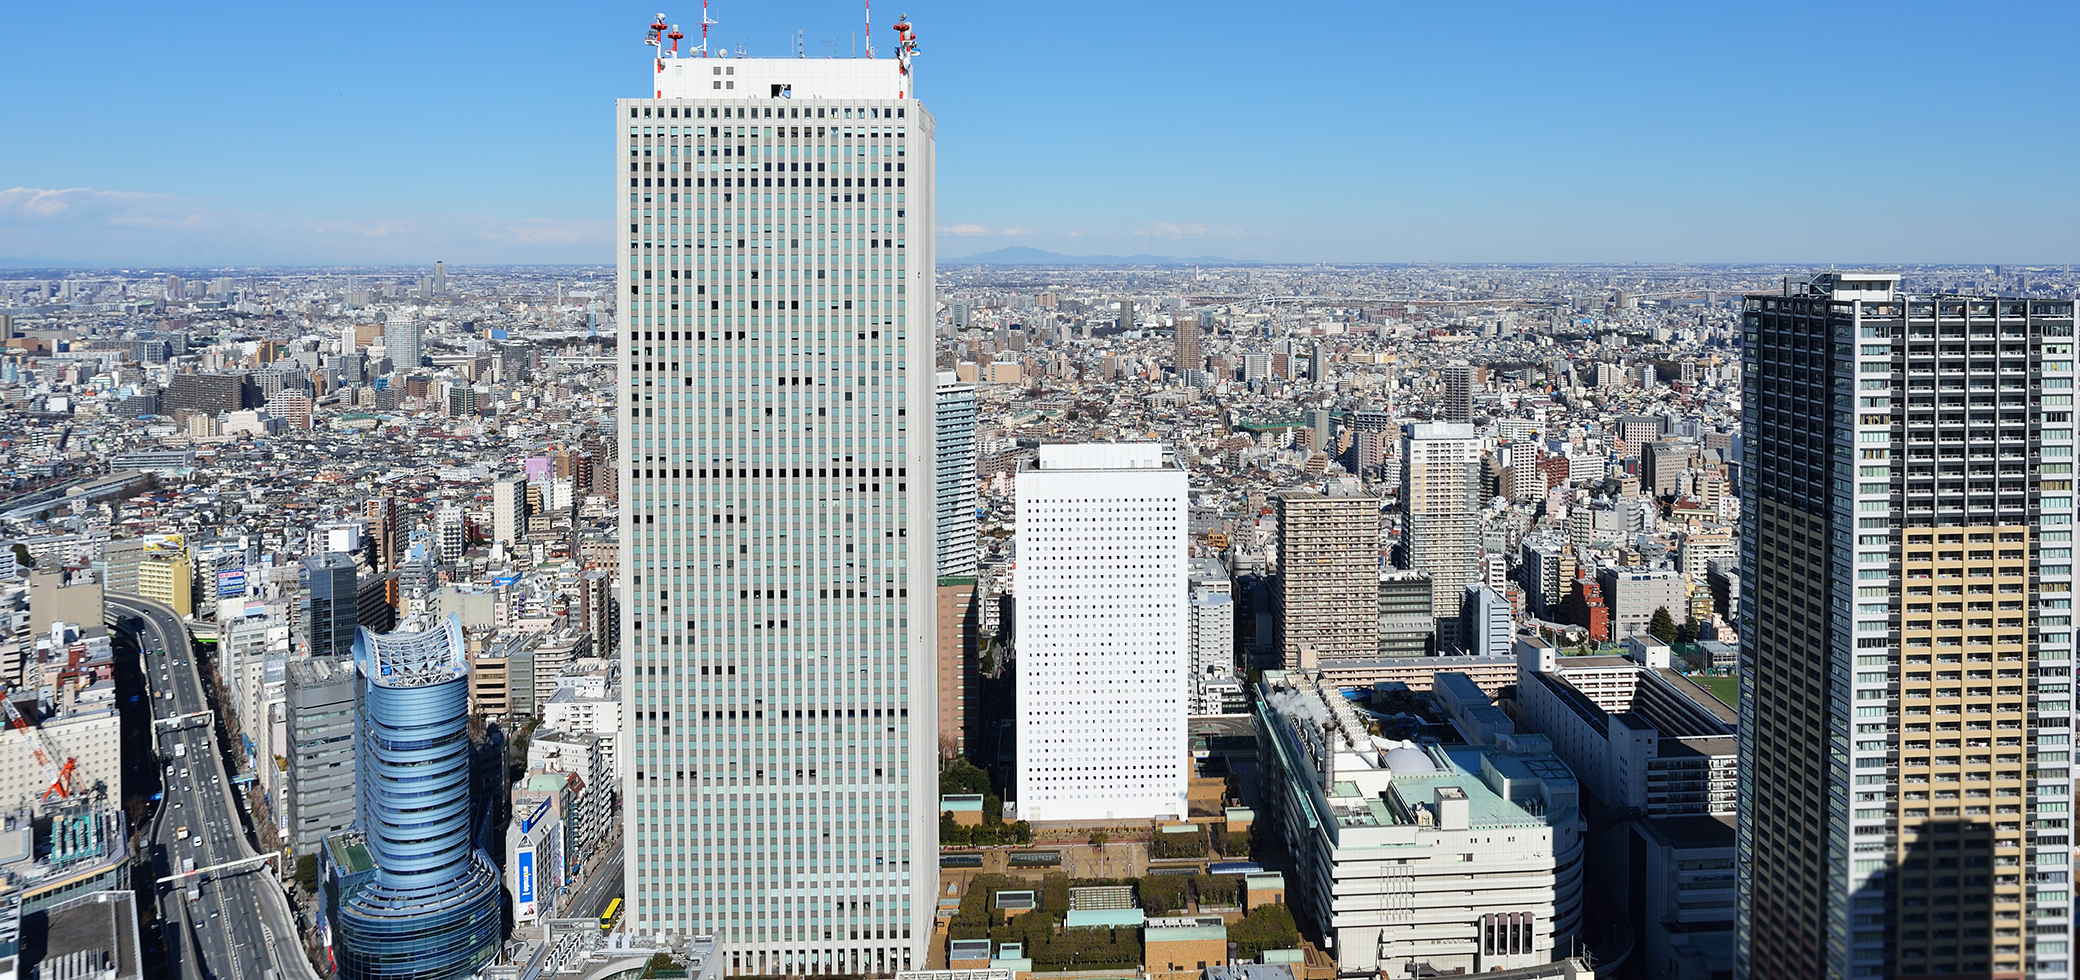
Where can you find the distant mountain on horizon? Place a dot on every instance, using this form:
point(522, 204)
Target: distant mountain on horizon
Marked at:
point(1025, 255)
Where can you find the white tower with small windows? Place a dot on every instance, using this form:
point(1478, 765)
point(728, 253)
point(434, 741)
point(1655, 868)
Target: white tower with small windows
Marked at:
point(1103, 628)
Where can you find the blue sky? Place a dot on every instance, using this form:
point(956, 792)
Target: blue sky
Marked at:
point(172, 134)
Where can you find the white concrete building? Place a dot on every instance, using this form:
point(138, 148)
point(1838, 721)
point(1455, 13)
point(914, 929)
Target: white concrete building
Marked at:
point(583, 712)
point(1213, 635)
point(92, 738)
point(778, 276)
point(1452, 859)
point(1102, 631)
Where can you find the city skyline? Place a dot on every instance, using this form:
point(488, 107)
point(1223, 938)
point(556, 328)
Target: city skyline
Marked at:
point(1590, 136)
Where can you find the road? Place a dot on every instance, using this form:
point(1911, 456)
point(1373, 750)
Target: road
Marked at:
point(240, 923)
point(604, 886)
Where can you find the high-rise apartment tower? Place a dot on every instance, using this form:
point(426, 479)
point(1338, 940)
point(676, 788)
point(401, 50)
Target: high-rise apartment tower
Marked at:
point(1328, 570)
point(953, 421)
point(776, 293)
point(1187, 358)
point(1458, 393)
point(1440, 516)
point(1906, 639)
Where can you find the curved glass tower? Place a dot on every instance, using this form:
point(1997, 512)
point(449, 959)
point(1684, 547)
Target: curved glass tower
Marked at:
point(430, 909)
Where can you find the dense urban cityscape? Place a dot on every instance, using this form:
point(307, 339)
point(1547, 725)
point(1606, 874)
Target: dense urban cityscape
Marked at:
point(1250, 621)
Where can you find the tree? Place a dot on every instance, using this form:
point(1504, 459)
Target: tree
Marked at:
point(1687, 633)
point(1663, 626)
point(1099, 837)
point(962, 776)
point(951, 833)
point(307, 871)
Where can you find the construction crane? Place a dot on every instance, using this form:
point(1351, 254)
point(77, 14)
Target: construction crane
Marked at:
point(59, 778)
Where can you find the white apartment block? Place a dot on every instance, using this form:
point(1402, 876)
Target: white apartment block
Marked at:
point(587, 713)
point(1102, 633)
point(1213, 649)
point(775, 311)
point(1449, 859)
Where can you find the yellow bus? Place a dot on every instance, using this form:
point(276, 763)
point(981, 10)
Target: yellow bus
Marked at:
point(606, 921)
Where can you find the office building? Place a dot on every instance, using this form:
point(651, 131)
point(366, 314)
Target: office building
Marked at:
point(1440, 515)
point(1328, 560)
point(1416, 861)
point(1646, 739)
point(410, 895)
point(1636, 733)
point(331, 604)
point(440, 278)
point(1485, 622)
point(320, 703)
point(1634, 594)
point(1459, 382)
point(1904, 777)
point(840, 635)
point(1407, 623)
point(953, 417)
point(1102, 626)
point(165, 573)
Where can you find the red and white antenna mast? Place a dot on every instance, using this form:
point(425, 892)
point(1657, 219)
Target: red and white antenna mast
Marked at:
point(906, 49)
point(705, 22)
point(870, 28)
point(655, 39)
point(676, 38)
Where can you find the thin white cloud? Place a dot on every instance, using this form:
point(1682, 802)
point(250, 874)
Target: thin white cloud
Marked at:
point(1016, 232)
point(964, 230)
point(93, 225)
point(1176, 231)
point(42, 202)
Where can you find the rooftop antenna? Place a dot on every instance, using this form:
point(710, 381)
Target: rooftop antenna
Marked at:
point(798, 43)
point(906, 49)
point(655, 39)
point(705, 22)
point(870, 28)
point(676, 38)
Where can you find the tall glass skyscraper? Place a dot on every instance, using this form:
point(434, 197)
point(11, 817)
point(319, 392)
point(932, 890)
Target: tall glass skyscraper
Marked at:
point(425, 906)
point(1906, 633)
point(776, 315)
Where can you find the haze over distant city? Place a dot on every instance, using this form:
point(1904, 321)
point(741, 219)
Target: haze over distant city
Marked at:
point(393, 133)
